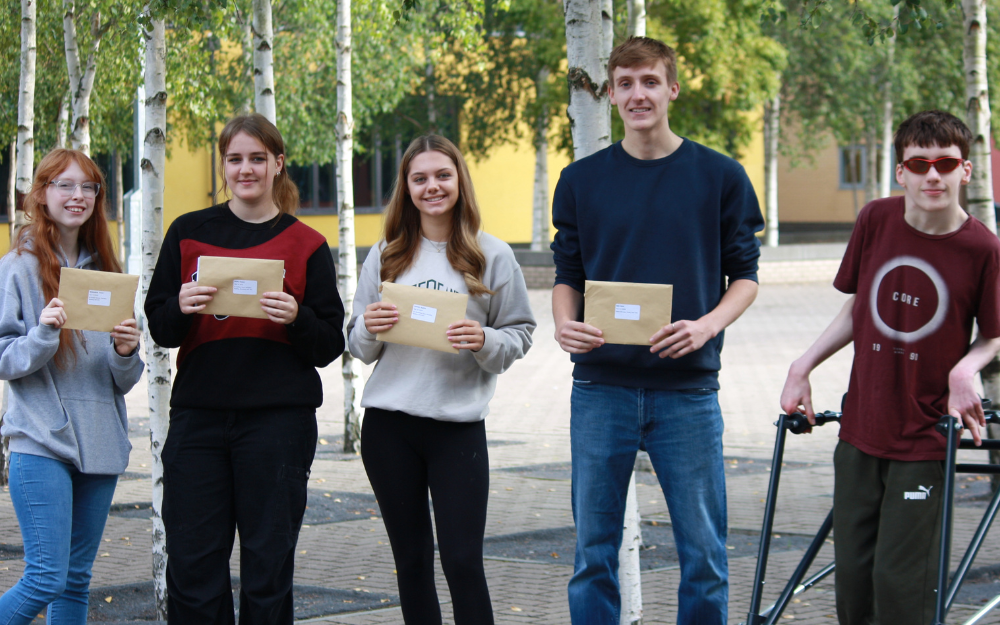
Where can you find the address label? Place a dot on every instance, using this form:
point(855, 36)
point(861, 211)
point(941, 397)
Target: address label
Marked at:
point(244, 287)
point(99, 298)
point(424, 313)
point(629, 312)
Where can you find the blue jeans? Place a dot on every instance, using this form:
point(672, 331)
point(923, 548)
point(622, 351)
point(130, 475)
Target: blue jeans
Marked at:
point(62, 513)
point(682, 431)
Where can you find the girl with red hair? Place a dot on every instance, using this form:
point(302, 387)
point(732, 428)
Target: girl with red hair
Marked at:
point(66, 417)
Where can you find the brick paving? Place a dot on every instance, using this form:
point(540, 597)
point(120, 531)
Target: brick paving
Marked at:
point(529, 425)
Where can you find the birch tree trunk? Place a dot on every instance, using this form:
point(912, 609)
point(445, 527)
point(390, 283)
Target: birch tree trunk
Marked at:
point(263, 62)
point(772, 131)
point(589, 37)
point(116, 166)
point(636, 18)
point(62, 123)
point(540, 201)
point(979, 191)
point(886, 169)
point(431, 106)
point(81, 80)
point(154, 156)
point(248, 59)
point(871, 163)
point(347, 262)
point(588, 46)
point(25, 160)
point(11, 180)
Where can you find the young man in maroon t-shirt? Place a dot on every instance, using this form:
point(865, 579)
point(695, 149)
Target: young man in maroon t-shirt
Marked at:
point(920, 271)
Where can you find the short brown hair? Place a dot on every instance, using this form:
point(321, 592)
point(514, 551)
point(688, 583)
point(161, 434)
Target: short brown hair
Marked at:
point(640, 52)
point(932, 128)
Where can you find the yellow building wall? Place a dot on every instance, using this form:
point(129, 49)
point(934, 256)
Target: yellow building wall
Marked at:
point(505, 184)
point(752, 160)
point(5, 236)
point(811, 193)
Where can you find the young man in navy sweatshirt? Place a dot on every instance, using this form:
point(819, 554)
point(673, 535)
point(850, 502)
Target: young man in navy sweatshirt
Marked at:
point(654, 208)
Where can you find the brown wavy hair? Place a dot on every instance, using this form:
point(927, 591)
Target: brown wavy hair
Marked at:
point(41, 236)
point(402, 220)
point(284, 192)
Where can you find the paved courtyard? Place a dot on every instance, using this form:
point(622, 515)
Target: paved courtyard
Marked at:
point(344, 547)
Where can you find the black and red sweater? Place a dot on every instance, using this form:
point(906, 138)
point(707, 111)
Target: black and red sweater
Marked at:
point(235, 362)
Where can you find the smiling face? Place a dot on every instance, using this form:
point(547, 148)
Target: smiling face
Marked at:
point(250, 169)
point(432, 183)
point(69, 211)
point(642, 95)
point(933, 192)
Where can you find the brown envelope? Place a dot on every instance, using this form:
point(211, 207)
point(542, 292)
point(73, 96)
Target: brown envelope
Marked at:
point(424, 316)
point(628, 313)
point(96, 300)
point(241, 283)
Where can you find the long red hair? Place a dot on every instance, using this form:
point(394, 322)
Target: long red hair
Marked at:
point(41, 236)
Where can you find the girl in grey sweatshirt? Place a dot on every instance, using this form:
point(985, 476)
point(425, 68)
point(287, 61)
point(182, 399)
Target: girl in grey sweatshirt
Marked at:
point(66, 417)
point(423, 425)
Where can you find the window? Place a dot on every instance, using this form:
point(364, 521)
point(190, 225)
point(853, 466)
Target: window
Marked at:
point(853, 167)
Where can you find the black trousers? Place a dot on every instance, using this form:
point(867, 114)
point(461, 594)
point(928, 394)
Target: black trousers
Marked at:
point(226, 471)
point(404, 456)
point(887, 535)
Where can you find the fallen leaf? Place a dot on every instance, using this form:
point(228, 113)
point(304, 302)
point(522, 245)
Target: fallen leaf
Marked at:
point(328, 495)
point(303, 551)
point(107, 599)
point(383, 601)
point(323, 441)
point(338, 501)
point(554, 554)
point(105, 555)
point(515, 609)
point(361, 576)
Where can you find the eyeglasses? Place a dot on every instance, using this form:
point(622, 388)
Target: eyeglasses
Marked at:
point(942, 165)
point(68, 187)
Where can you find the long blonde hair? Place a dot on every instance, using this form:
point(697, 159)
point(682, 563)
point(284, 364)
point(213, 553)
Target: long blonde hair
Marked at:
point(402, 220)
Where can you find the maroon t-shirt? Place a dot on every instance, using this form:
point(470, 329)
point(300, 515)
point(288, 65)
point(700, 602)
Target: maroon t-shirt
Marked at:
point(917, 297)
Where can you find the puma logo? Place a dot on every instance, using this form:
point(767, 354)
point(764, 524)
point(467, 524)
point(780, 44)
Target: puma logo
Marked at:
point(922, 492)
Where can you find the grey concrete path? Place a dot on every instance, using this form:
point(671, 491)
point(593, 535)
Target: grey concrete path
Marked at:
point(529, 426)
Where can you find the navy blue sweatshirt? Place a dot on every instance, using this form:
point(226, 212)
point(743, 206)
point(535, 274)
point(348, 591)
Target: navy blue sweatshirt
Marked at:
point(688, 220)
point(230, 363)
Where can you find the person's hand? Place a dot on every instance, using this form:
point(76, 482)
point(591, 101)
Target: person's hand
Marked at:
point(964, 404)
point(796, 396)
point(193, 298)
point(681, 338)
point(576, 337)
point(280, 307)
point(126, 336)
point(380, 317)
point(53, 314)
point(466, 334)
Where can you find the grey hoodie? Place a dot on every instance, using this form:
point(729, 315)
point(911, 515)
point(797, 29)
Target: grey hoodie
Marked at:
point(432, 384)
point(76, 415)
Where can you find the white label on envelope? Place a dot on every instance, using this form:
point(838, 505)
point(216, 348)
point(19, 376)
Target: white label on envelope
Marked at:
point(244, 287)
point(628, 312)
point(99, 298)
point(424, 313)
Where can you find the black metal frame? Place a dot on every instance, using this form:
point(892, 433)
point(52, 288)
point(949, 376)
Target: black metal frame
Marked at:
point(950, 428)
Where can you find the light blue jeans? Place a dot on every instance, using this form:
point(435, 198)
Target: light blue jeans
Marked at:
point(62, 513)
point(682, 431)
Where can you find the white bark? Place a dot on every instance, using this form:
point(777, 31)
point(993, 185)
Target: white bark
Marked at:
point(119, 204)
point(628, 561)
point(62, 123)
point(25, 159)
point(154, 157)
point(81, 80)
point(431, 107)
point(871, 164)
point(589, 37)
point(263, 65)
point(588, 46)
point(347, 263)
point(540, 201)
point(886, 170)
point(979, 192)
point(636, 18)
point(11, 179)
point(772, 131)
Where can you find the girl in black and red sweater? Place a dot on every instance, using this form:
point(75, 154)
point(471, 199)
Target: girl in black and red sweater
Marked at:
point(243, 408)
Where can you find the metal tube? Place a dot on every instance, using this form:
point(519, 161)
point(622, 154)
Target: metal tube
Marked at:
point(970, 553)
point(941, 608)
point(806, 585)
point(986, 610)
point(765, 534)
point(800, 571)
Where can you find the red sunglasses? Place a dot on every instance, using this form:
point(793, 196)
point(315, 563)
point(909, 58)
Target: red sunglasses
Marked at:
point(942, 165)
